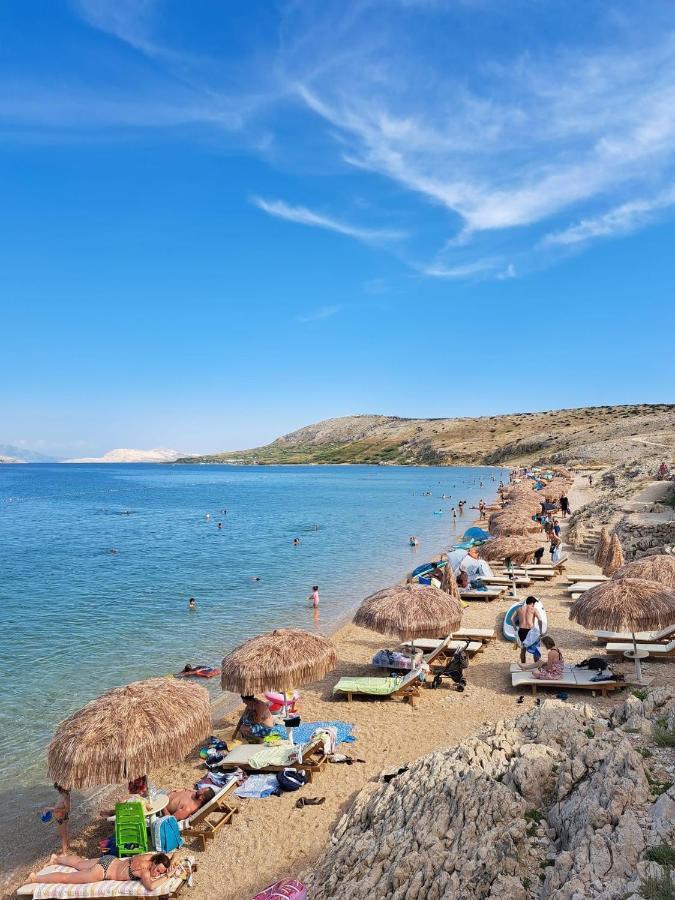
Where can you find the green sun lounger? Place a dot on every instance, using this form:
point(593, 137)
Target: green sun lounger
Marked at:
point(408, 688)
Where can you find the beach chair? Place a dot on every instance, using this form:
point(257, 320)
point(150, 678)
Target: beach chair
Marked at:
point(483, 596)
point(170, 888)
point(407, 688)
point(656, 651)
point(210, 818)
point(586, 576)
point(641, 637)
point(572, 677)
point(505, 581)
point(484, 635)
point(436, 652)
point(262, 759)
point(562, 562)
point(131, 829)
point(580, 587)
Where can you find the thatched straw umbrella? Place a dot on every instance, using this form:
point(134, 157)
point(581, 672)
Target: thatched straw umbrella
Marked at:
point(449, 582)
point(277, 661)
point(514, 525)
point(410, 611)
point(658, 568)
point(614, 559)
point(518, 549)
point(603, 546)
point(553, 491)
point(125, 732)
point(626, 604)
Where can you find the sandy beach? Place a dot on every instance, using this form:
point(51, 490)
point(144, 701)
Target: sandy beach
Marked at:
point(270, 838)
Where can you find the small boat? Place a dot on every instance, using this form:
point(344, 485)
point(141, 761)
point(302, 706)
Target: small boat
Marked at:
point(509, 630)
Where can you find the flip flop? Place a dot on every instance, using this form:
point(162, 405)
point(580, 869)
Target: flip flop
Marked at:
point(309, 801)
point(520, 699)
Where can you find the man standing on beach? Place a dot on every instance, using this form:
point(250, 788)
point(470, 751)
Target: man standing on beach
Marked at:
point(525, 619)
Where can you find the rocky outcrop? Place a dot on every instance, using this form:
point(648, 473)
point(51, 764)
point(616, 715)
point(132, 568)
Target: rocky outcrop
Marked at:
point(556, 804)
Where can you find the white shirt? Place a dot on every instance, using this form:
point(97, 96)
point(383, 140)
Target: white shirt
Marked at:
point(475, 568)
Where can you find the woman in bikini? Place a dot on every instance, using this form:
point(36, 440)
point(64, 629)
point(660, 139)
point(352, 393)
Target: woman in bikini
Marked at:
point(257, 721)
point(553, 668)
point(151, 869)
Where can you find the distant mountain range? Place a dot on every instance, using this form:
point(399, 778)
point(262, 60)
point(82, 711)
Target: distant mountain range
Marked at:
point(124, 455)
point(11, 454)
point(590, 434)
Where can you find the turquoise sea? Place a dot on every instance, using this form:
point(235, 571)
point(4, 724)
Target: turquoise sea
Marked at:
point(78, 618)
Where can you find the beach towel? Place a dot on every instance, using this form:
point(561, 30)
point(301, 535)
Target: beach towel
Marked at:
point(303, 733)
point(256, 787)
point(96, 888)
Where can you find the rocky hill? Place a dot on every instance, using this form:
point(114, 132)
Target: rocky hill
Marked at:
point(125, 455)
point(561, 803)
point(596, 435)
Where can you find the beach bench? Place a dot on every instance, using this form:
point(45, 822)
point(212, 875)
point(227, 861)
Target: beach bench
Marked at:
point(586, 576)
point(576, 590)
point(437, 651)
point(485, 635)
point(170, 888)
point(487, 596)
point(264, 759)
point(657, 651)
point(207, 821)
point(408, 688)
point(641, 637)
point(505, 581)
point(572, 678)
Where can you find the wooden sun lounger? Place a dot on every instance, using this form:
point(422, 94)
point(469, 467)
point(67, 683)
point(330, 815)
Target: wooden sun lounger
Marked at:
point(171, 888)
point(314, 760)
point(572, 678)
point(436, 652)
point(408, 689)
point(476, 634)
point(581, 586)
point(505, 581)
point(484, 596)
point(207, 821)
point(576, 579)
point(656, 651)
point(641, 637)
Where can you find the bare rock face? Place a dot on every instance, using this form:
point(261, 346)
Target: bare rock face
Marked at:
point(554, 805)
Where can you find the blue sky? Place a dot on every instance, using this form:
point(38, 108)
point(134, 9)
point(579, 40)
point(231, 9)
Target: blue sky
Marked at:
point(222, 221)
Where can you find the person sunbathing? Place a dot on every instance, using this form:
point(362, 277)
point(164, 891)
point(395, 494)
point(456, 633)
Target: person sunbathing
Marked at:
point(151, 869)
point(184, 803)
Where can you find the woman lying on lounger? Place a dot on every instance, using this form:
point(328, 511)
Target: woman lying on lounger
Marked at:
point(553, 668)
point(151, 869)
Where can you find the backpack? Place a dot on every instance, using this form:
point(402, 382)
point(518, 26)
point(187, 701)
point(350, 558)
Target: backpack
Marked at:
point(166, 834)
point(595, 663)
point(291, 779)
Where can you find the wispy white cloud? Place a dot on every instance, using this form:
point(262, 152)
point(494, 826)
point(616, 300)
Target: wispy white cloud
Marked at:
point(324, 312)
point(621, 220)
point(462, 270)
point(131, 21)
point(303, 216)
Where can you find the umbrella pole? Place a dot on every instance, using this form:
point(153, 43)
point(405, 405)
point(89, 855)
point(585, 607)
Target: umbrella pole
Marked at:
point(638, 667)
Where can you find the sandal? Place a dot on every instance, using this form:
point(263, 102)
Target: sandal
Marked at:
point(309, 801)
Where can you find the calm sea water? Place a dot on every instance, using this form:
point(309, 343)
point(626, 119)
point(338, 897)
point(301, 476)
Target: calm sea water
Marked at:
point(78, 618)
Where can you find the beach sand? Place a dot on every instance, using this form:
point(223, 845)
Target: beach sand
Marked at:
point(270, 838)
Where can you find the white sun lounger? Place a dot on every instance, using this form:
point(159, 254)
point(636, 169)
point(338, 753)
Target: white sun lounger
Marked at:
point(170, 888)
point(505, 581)
point(586, 576)
point(572, 678)
point(487, 596)
point(641, 637)
point(656, 650)
point(581, 586)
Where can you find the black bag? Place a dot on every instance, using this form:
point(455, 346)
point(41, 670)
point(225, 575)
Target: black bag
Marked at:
point(291, 779)
point(595, 663)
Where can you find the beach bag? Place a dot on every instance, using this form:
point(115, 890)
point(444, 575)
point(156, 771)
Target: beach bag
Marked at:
point(287, 889)
point(291, 779)
point(166, 834)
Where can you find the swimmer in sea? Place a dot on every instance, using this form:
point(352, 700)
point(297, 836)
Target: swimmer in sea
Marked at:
point(314, 596)
point(296, 542)
point(255, 578)
point(192, 603)
point(220, 524)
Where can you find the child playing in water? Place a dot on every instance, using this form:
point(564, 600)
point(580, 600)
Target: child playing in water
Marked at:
point(314, 596)
point(60, 813)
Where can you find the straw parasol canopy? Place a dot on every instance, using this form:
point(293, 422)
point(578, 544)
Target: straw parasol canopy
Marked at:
point(449, 582)
point(518, 549)
point(626, 604)
point(410, 611)
point(658, 568)
point(554, 490)
point(125, 732)
point(277, 661)
point(614, 559)
point(602, 548)
point(513, 526)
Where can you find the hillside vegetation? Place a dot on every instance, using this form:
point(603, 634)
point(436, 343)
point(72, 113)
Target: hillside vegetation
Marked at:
point(599, 434)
